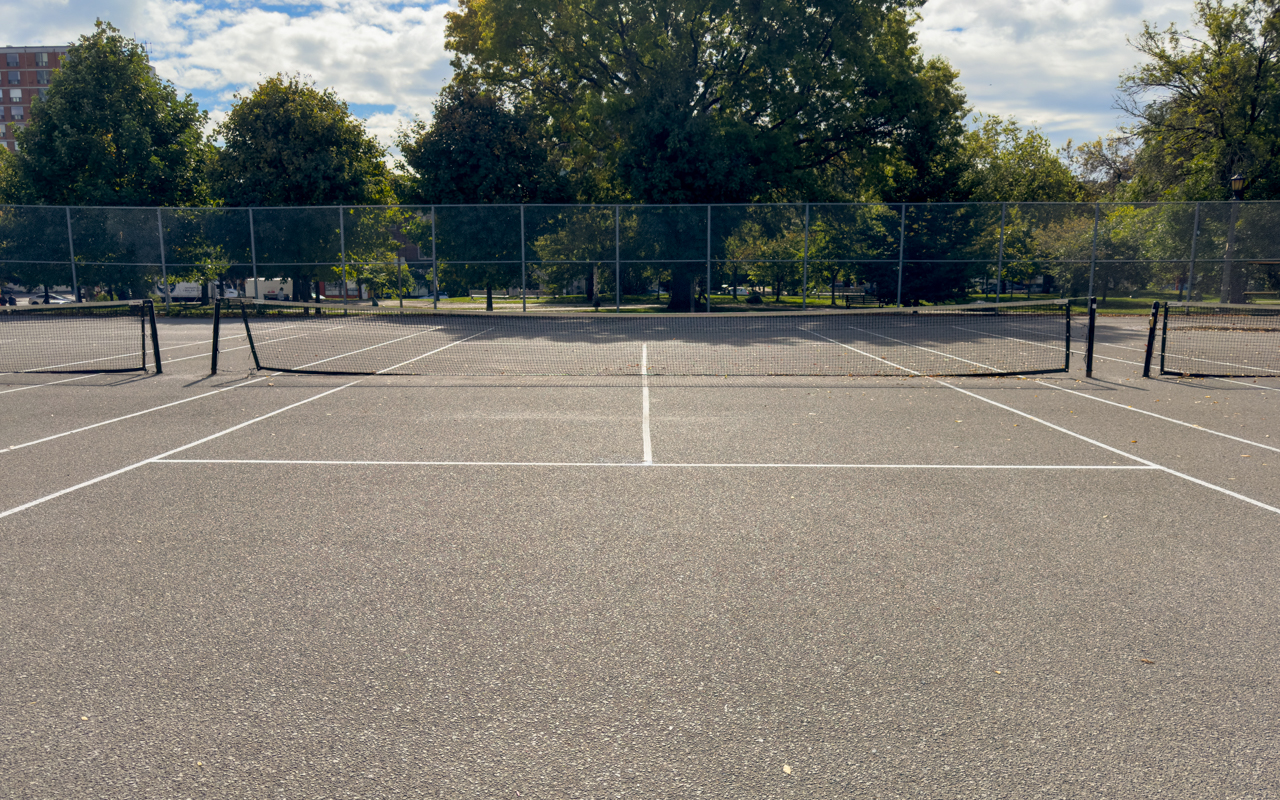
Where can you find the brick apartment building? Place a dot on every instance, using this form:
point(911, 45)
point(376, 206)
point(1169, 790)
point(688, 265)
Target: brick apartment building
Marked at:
point(25, 73)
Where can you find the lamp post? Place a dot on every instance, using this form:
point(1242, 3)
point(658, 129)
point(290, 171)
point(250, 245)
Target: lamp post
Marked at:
point(1232, 291)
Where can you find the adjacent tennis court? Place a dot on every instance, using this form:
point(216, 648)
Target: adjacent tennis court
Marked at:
point(789, 556)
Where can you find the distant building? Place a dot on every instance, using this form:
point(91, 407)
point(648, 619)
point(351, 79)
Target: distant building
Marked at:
point(25, 73)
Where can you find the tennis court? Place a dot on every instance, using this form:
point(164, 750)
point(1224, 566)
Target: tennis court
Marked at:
point(630, 580)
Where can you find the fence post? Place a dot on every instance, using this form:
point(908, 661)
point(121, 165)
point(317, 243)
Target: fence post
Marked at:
point(435, 276)
point(708, 258)
point(342, 242)
point(71, 248)
point(1093, 256)
point(804, 287)
point(1229, 260)
point(1191, 267)
point(524, 282)
point(164, 272)
point(1000, 257)
point(253, 255)
point(617, 258)
point(902, 249)
point(1088, 350)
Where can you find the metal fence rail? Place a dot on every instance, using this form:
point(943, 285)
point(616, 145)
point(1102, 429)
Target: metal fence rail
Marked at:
point(906, 253)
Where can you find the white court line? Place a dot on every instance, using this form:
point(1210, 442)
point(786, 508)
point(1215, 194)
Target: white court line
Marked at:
point(334, 463)
point(1158, 416)
point(416, 358)
point(153, 459)
point(134, 414)
point(125, 355)
point(50, 383)
point(233, 349)
point(644, 412)
point(370, 347)
point(1250, 385)
point(1082, 437)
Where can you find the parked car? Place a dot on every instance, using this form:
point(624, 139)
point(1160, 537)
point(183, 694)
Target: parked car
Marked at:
point(51, 299)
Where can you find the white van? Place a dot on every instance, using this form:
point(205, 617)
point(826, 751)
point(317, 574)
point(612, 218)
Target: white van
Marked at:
point(187, 292)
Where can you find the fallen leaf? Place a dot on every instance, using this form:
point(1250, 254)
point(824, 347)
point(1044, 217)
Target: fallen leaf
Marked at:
point(1133, 441)
point(1146, 661)
point(786, 769)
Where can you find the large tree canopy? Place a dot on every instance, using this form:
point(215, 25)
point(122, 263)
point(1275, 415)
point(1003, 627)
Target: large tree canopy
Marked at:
point(1207, 104)
point(109, 132)
point(291, 144)
point(706, 102)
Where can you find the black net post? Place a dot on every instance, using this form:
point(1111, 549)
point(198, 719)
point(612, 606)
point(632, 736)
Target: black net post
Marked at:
point(1066, 366)
point(1088, 350)
point(150, 311)
point(1164, 337)
point(248, 332)
point(217, 330)
point(1151, 338)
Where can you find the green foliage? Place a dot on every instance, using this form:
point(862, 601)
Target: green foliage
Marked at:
point(476, 150)
point(1004, 163)
point(1207, 105)
point(109, 132)
point(695, 102)
point(291, 144)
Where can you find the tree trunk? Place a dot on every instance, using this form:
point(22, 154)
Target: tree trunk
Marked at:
point(680, 292)
point(488, 297)
point(591, 284)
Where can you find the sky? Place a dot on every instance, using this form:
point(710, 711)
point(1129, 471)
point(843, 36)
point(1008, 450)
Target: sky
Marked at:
point(1050, 63)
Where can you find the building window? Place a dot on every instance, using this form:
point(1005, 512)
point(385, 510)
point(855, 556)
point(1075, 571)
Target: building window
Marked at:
point(15, 95)
point(15, 77)
point(42, 77)
point(42, 59)
point(43, 92)
point(11, 59)
point(15, 112)
point(4, 129)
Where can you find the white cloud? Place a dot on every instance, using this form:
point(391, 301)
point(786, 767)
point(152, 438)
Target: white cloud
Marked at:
point(1055, 63)
point(371, 52)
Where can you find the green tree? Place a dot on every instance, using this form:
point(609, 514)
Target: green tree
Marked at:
point(1002, 162)
point(109, 132)
point(1206, 104)
point(290, 144)
point(695, 102)
point(478, 150)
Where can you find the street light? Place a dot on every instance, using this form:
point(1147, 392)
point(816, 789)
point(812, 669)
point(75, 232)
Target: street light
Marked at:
point(1232, 286)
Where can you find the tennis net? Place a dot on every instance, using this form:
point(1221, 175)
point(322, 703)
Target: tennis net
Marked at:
point(1220, 340)
point(980, 339)
point(77, 337)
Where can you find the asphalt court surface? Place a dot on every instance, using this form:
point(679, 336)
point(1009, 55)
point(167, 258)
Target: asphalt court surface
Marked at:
point(256, 585)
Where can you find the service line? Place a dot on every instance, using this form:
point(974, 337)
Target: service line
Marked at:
point(174, 451)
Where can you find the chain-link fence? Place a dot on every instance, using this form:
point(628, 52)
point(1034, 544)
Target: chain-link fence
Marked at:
point(887, 254)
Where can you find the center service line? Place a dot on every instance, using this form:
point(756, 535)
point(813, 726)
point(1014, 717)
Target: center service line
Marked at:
point(644, 408)
point(154, 459)
point(1082, 437)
